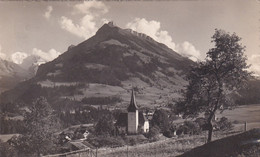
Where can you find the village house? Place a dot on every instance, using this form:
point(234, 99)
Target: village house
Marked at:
point(132, 121)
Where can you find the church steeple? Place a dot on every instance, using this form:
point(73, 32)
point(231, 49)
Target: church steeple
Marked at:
point(132, 107)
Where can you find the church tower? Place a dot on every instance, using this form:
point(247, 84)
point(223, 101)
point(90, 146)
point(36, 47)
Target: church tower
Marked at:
point(132, 116)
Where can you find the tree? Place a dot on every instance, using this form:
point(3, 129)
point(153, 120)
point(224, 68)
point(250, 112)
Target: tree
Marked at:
point(7, 150)
point(213, 82)
point(105, 125)
point(160, 119)
point(41, 124)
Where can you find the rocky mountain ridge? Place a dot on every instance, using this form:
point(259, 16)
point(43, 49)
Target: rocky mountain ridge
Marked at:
point(107, 65)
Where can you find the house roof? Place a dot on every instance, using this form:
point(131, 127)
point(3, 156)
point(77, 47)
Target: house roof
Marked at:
point(132, 107)
point(81, 144)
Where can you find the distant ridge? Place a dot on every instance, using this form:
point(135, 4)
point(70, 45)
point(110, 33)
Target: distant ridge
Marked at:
point(11, 74)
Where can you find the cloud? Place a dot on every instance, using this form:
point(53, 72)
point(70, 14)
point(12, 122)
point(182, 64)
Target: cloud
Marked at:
point(47, 14)
point(46, 56)
point(188, 50)
point(90, 10)
point(153, 29)
point(91, 7)
point(85, 29)
point(254, 60)
point(18, 57)
point(104, 20)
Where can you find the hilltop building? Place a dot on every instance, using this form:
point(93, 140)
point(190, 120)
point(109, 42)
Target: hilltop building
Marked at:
point(132, 121)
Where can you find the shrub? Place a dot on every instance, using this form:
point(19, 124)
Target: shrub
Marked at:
point(153, 133)
point(202, 122)
point(170, 132)
point(7, 150)
point(189, 127)
point(105, 126)
point(223, 124)
point(160, 119)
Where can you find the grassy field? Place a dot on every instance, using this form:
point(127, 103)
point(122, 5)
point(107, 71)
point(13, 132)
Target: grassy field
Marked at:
point(242, 114)
point(162, 148)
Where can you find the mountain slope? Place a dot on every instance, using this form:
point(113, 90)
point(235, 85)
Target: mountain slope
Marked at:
point(11, 74)
point(109, 64)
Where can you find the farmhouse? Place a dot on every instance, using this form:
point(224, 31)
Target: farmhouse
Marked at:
point(132, 121)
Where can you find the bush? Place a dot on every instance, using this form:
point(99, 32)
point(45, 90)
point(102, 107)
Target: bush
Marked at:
point(105, 126)
point(153, 133)
point(189, 127)
point(7, 150)
point(160, 119)
point(223, 124)
point(202, 122)
point(170, 132)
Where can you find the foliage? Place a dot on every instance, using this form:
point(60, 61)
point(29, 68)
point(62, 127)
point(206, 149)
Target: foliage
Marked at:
point(170, 132)
point(153, 133)
point(202, 122)
point(101, 100)
point(160, 119)
point(223, 124)
point(250, 93)
point(189, 127)
point(213, 82)
point(41, 124)
point(105, 125)
point(9, 126)
point(7, 150)
point(81, 115)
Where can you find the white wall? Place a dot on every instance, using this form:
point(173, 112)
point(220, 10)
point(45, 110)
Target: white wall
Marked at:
point(146, 126)
point(132, 118)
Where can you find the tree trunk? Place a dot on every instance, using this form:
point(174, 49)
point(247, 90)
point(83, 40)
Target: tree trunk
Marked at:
point(210, 126)
point(210, 132)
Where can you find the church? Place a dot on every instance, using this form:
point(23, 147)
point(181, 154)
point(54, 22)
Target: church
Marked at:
point(133, 121)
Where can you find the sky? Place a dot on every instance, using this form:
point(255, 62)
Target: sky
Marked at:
point(47, 28)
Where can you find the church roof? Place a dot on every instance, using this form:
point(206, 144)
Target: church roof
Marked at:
point(132, 107)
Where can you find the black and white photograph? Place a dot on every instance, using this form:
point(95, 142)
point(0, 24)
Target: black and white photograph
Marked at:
point(137, 78)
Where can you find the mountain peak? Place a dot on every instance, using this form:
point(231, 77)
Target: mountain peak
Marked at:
point(112, 58)
point(108, 28)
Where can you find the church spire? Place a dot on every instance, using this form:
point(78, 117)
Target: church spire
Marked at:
point(132, 107)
